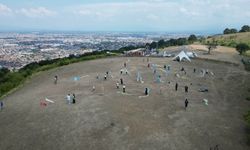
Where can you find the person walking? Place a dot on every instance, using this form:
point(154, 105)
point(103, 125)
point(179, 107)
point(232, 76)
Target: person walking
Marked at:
point(146, 91)
point(93, 88)
point(176, 86)
point(121, 81)
point(68, 97)
point(73, 98)
point(124, 88)
point(186, 89)
point(194, 70)
point(55, 79)
point(105, 77)
point(117, 85)
point(186, 104)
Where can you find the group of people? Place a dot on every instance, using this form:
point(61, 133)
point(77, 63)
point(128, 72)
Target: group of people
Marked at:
point(186, 91)
point(123, 85)
point(71, 99)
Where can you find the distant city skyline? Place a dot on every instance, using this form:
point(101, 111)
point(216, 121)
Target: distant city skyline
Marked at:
point(173, 16)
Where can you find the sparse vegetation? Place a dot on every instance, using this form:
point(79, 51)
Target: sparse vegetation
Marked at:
point(231, 37)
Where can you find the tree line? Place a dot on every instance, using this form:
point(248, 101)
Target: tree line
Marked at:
point(245, 28)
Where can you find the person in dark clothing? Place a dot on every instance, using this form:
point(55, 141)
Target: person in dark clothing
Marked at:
point(194, 70)
point(74, 99)
point(125, 65)
point(121, 81)
point(105, 77)
point(182, 69)
point(186, 104)
point(176, 86)
point(186, 89)
point(121, 72)
point(146, 91)
point(165, 67)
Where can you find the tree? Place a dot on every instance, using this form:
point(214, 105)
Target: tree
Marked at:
point(192, 38)
point(245, 28)
point(226, 31)
point(233, 30)
point(242, 47)
point(230, 31)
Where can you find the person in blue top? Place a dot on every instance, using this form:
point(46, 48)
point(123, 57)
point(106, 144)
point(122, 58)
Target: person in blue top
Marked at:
point(1, 105)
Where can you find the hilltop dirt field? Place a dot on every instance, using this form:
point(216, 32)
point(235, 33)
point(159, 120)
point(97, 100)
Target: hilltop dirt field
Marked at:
point(222, 53)
point(107, 119)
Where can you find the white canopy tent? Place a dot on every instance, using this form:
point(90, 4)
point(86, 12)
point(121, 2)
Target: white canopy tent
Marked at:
point(182, 56)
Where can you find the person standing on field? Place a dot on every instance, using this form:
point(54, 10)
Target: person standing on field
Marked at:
point(73, 98)
point(124, 88)
point(117, 85)
point(186, 104)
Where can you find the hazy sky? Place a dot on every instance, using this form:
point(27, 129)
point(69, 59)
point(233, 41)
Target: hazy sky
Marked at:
point(124, 15)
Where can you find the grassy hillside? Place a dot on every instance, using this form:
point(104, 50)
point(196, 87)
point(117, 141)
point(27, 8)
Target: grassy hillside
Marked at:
point(230, 40)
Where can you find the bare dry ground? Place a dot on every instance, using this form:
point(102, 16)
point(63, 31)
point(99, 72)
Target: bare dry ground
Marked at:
point(221, 53)
point(109, 119)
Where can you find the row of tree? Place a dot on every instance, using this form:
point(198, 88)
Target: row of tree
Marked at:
point(172, 42)
point(245, 28)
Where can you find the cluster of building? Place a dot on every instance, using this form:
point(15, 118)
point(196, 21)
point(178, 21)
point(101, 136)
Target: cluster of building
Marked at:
point(20, 49)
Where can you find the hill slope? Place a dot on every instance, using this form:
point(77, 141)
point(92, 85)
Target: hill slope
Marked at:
point(231, 39)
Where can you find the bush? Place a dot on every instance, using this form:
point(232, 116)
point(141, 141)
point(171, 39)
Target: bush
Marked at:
point(242, 47)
